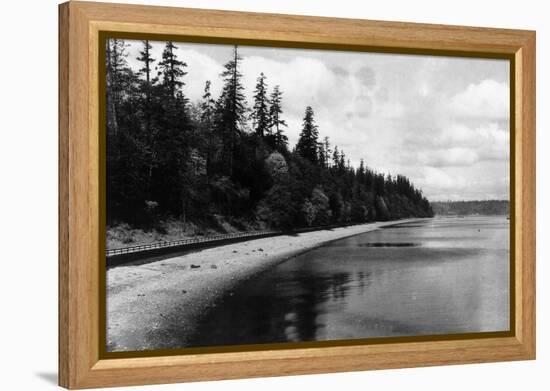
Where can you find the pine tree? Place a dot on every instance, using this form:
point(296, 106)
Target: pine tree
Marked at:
point(207, 112)
point(127, 155)
point(231, 108)
point(172, 70)
point(336, 157)
point(207, 105)
point(342, 163)
point(174, 143)
point(147, 85)
point(308, 141)
point(321, 155)
point(275, 111)
point(361, 172)
point(326, 151)
point(260, 112)
point(116, 63)
point(146, 57)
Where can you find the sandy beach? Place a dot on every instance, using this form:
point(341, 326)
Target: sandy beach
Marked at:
point(151, 306)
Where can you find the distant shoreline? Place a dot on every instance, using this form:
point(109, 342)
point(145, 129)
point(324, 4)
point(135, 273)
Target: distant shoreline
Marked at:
point(471, 208)
point(150, 306)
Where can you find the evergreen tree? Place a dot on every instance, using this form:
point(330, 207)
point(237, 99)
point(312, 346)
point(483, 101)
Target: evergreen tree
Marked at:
point(336, 158)
point(174, 142)
point(127, 155)
point(260, 111)
point(342, 162)
point(326, 151)
point(146, 105)
point(308, 141)
point(116, 64)
point(275, 111)
point(207, 105)
point(321, 155)
point(147, 85)
point(207, 113)
point(361, 172)
point(172, 70)
point(146, 57)
point(231, 109)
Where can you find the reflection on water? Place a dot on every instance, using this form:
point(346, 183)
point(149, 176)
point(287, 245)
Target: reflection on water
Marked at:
point(441, 276)
point(388, 244)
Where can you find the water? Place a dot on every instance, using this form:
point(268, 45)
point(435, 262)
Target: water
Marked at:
point(439, 276)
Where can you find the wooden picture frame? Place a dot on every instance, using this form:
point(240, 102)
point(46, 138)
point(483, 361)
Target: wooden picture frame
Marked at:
point(80, 243)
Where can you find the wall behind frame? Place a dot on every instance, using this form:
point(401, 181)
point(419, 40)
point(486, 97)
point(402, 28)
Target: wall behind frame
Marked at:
point(28, 200)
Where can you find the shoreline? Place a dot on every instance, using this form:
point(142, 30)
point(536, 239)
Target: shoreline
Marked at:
point(150, 306)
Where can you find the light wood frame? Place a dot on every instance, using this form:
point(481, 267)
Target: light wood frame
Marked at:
point(80, 24)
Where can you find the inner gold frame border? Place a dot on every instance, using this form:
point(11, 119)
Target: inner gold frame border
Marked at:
point(83, 362)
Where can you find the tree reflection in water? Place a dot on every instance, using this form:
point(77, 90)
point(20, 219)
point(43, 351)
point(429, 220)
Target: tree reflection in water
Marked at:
point(288, 313)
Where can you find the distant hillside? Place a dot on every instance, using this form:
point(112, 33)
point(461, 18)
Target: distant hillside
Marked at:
point(461, 208)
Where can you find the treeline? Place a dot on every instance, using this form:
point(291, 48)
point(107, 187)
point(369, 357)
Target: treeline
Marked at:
point(463, 208)
point(169, 158)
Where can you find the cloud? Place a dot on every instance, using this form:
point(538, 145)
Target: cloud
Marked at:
point(388, 109)
point(441, 179)
point(339, 98)
point(448, 157)
point(486, 99)
point(461, 145)
point(478, 182)
point(339, 71)
point(367, 76)
point(299, 91)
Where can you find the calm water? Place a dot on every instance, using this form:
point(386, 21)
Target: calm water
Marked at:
point(439, 276)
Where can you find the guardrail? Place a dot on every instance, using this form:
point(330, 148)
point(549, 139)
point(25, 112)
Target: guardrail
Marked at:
point(183, 242)
point(214, 239)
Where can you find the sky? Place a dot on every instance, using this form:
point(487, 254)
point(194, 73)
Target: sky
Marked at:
point(441, 121)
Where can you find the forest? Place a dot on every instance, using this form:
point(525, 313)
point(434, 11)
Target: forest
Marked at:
point(223, 163)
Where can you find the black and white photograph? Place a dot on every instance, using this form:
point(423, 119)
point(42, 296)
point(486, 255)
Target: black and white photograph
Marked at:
point(269, 195)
